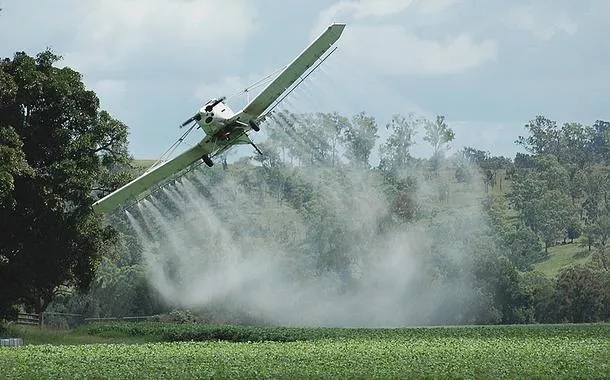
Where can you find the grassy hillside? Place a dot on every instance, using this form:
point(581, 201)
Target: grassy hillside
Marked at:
point(143, 164)
point(562, 256)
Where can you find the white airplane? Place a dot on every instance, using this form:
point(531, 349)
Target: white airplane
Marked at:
point(223, 128)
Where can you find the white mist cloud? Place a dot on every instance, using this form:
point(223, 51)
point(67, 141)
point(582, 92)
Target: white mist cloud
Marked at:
point(231, 249)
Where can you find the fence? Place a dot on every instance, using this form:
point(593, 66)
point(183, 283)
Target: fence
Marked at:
point(11, 342)
point(50, 319)
point(68, 320)
point(28, 319)
point(122, 319)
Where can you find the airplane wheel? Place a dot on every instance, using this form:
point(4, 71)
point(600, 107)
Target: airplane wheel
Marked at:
point(254, 126)
point(208, 161)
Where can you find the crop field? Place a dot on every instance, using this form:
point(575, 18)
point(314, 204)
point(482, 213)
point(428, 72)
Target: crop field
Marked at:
point(554, 351)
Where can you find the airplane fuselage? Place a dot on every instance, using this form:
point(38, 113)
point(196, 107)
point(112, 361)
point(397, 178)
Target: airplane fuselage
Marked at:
point(213, 116)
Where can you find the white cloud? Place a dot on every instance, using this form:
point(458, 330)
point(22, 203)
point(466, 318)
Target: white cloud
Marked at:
point(106, 36)
point(543, 21)
point(358, 10)
point(117, 32)
point(391, 50)
point(364, 8)
point(367, 9)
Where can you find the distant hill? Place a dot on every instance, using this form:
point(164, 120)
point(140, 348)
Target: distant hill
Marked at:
point(143, 164)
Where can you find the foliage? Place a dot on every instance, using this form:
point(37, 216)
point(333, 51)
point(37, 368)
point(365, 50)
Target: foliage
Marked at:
point(58, 145)
point(172, 332)
point(313, 187)
point(360, 138)
point(12, 164)
point(508, 352)
point(395, 151)
point(581, 294)
point(438, 135)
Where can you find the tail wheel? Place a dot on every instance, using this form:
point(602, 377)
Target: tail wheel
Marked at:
point(254, 125)
point(208, 161)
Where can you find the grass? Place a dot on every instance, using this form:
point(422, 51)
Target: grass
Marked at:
point(34, 335)
point(562, 256)
point(555, 351)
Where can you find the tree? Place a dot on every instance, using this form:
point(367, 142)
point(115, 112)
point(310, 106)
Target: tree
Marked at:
point(395, 152)
point(51, 237)
point(492, 167)
point(475, 156)
point(544, 137)
point(575, 139)
point(600, 144)
point(543, 201)
point(360, 137)
point(12, 164)
point(580, 294)
point(439, 135)
point(333, 126)
point(542, 291)
point(524, 161)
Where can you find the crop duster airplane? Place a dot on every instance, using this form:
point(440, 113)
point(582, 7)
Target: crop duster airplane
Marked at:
point(223, 128)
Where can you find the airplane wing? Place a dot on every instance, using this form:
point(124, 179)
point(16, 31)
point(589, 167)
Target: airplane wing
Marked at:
point(293, 71)
point(150, 178)
point(253, 111)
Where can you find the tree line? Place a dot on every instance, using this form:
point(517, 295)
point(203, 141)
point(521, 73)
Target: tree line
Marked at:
point(60, 152)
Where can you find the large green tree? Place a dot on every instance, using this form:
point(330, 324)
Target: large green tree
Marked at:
point(60, 147)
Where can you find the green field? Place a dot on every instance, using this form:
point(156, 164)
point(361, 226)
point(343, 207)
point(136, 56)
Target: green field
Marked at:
point(554, 351)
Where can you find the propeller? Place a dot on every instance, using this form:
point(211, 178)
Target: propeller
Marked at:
point(208, 108)
point(212, 104)
point(192, 118)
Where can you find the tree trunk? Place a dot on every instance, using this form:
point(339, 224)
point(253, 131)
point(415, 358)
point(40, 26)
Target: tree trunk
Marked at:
point(39, 309)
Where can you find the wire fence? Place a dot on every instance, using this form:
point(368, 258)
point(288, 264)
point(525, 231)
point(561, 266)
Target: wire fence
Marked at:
point(68, 320)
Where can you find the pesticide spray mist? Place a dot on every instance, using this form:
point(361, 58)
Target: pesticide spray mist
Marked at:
point(317, 243)
point(231, 240)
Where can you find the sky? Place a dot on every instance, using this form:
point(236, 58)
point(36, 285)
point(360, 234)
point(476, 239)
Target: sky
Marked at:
point(487, 66)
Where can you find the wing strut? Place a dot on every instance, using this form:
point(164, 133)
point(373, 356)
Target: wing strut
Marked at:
point(255, 147)
point(172, 148)
point(277, 102)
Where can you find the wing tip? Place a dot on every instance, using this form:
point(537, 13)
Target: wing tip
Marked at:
point(337, 25)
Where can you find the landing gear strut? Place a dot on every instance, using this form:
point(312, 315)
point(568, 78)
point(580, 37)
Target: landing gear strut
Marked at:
point(254, 125)
point(208, 161)
point(255, 147)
